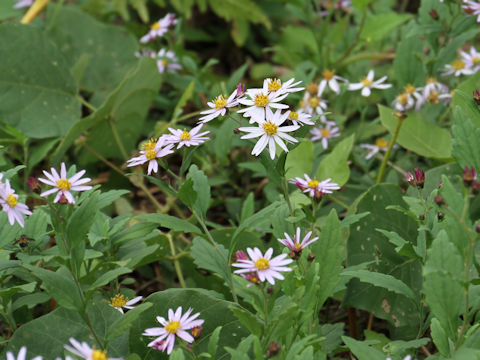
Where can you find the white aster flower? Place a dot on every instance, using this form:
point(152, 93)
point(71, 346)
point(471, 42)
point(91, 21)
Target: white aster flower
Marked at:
point(406, 99)
point(151, 152)
point(270, 132)
point(295, 244)
point(276, 86)
point(300, 118)
point(325, 133)
point(22, 355)
point(86, 352)
point(219, 106)
point(380, 145)
point(10, 204)
point(63, 185)
point(175, 326)
point(120, 302)
point(159, 28)
point(187, 138)
point(167, 61)
point(259, 101)
point(313, 187)
point(471, 59)
point(330, 79)
point(368, 83)
point(314, 103)
point(267, 268)
point(472, 8)
point(458, 67)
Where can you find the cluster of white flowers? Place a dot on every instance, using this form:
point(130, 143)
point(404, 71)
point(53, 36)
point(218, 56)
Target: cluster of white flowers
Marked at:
point(432, 92)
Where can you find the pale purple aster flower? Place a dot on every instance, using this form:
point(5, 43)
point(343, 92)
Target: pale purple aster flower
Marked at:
point(84, 351)
point(159, 28)
point(120, 302)
point(276, 86)
point(300, 118)
point(152, 151)
point(10, 204)
point(367, 83)
point(472, 8)
point(219, 106)
point(63, 185)
point(471, 59)
point(167, 61)
point(330, 79)
point(187, 138)
point(22, 355)
point(22, 3)
point(175, 326)
point(270, 132)
point(457, 68)
point(324, 134)
point(267, 268)
point(313, 187)
point(295, 244)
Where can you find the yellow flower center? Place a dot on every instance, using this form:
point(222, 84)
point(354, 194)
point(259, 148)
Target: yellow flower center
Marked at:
point(118, 301)
point(328, 75)
point(410, 89)
point(99, 355)
point(64, 184)
point(366, 82)
point(172, 327)
point(12, 201)
point(185, 135)
point(298, 246)
point(313, 102)
point(151, 154)
point(261, 100)
point(155, 26)
point(262, 264)
point(402, 99)
point(431, 80)
point(164, 62)
point(220, 102)
point(270, 128)
point(312, 88)
point(433, 97)
point(381, 143)
point(293, 115)
point(149, 145)
point(312, 184)
point(325, 133)
point(274, 85)
point(458, 65)
point(475, 60)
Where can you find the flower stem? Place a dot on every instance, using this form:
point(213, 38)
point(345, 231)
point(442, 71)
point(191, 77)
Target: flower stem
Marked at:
point(389, 150)
point(287, 195)
point(176, 263)
point(117, 138)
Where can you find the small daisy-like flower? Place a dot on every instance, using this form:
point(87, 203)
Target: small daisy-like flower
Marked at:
point(457, 68)
point(270, 132)
point(10, 204)
point(259, 101)
point(21, 4)
point(406, 100)
point(300, 118)
point(380, 145)
point(63, 185)
point(159, 28)
point(267, 268)
point(86, 352)
point(187, 138)
point(120, 302)
point(175, 326)
point(471, 59)
point(295, 244)
point(152, 151)
point(324, 134)
point(368, 83)
point(276, 86)
point(330, 79)
point(314, 103)
point(22, 355)
point(472, 8)
point(219, 106)
point(313, 187)
point(167, 61)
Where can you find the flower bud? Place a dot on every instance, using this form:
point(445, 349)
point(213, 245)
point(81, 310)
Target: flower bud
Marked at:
point(440, 215)
point(240, 89)
point(270, 290)
point(273, 349)
point(476, 97)
point(241, 255)
point(439, 200)
point(477, 228)
point(469, 175)
point(196, 331)
point(311, 257)
point(421, 217)
point(236, 131)
point(433, 14)
point(33, 184)
point(418, 179)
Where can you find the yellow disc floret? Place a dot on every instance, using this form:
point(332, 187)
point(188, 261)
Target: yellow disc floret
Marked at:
point(312, 88)
point(220, 102)
point(293, 115)
point(118, 301)
point(155, 26)
point(314, 102)
point(261, 100)
point(328, 74)
point(149, 145)
point(270, 128)
point(172, 327)
point(185, 136)
point(458, 65)
point(410, 89)
point(475, 60)
point(325, 133)
point(366, 82)
point(274, 85)
point(402, 99)
point(262, 264)
point(381, 143)
point(99, 355)
point(151, 154)
point(431, 80)
point(12, 201)
point(312, 184)
point(64, 184)
point(298, 247)
point(433, 97)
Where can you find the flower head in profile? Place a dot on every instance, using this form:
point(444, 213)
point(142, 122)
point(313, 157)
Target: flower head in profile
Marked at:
point(313, 187)
point(84, 351)
point(368, 83)
point(270, 133)
point(300, 118)
point(151, 152)
point(313, 103)
point(63, 185)
point(167, 61)
point(187, 138)
point(159, 28)
point(330, 79)
point(406, 99)
point(176, 325)
point(22, 355)
point(219, 106)
point(418, 179)
point(295, 244)
point(121, 302)
point(372, 149)
point(276, 86)
point(324, 133)
point(471, 59)
point(457, 68)
point(9, 202)
point(267, 268)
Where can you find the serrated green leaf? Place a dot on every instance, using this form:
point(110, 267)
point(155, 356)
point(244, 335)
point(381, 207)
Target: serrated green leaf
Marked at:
point(202, 188)
point(465, 145)
point(378, 26)
point(206, 256)
point(361, 349)
point(187, 194)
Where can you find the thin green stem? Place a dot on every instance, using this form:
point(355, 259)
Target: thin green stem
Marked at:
point(287, 195)
point(176, 263)
point(86, 103)
point(355, 42)
point(116, 136)
point(389, 150)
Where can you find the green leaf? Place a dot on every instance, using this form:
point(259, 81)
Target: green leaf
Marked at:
point(187, 194)
point(408, 68)
point(213, 342)
point(202, 188)
point(244, 10)
point(187, 94)
point(39, 97)
point(248, 320)
point(108, 197)
point(213, 310)
point(465, 146)
point(361, 4)
point(335, 165)
point(248, 207)
point(361, 349)
point(207, 257)
point(418, 135)
point(170, 222)
point(236, 77)
point(300, 160)
point(439, 337)
point(108, 276)
point(120, 327)
point(378, 26)
point(463, 98)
